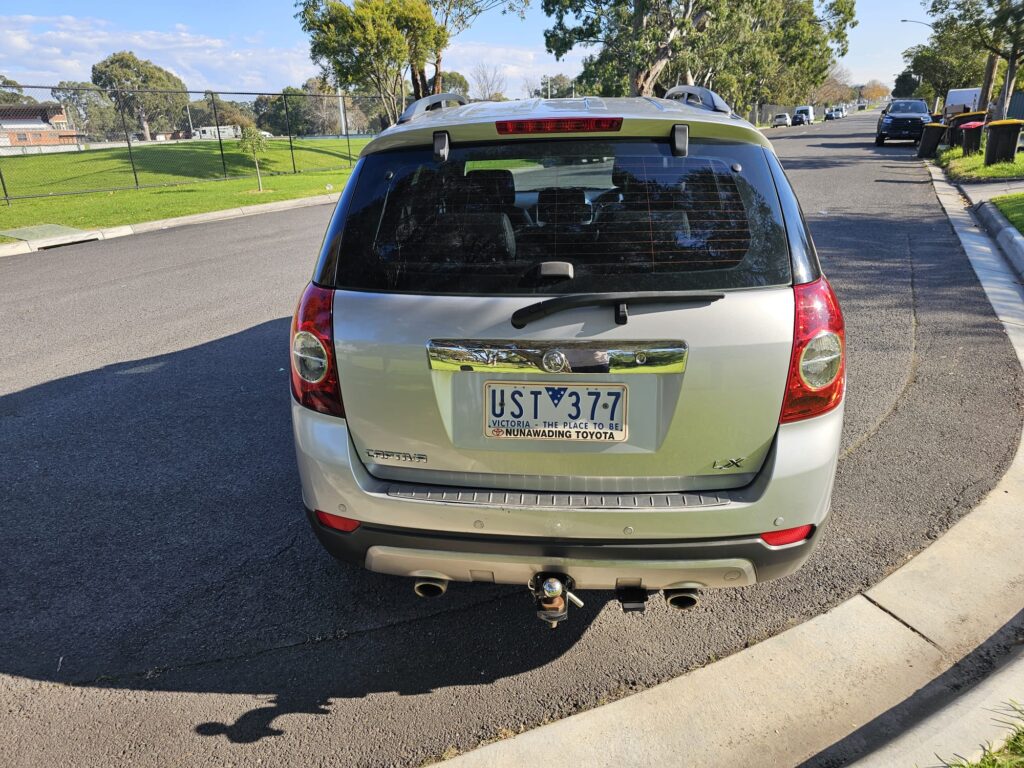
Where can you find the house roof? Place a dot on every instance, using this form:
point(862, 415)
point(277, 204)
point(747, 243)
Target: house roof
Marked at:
point(30, 111)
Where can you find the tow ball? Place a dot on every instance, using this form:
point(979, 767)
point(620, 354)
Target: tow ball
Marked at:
point(552, 593)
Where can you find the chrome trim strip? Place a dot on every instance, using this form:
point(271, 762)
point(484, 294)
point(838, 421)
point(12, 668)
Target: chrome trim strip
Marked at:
point(557, 357)
point(556, 500)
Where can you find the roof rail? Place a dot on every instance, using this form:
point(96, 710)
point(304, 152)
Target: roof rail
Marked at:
point(420, 106)
point(697, 96)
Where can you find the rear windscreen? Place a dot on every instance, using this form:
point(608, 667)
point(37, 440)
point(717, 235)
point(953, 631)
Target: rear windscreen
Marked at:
point(626, 214)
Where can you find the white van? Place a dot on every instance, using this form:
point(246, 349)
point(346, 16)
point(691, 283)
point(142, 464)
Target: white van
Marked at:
point(807, 112)
point(962, 100)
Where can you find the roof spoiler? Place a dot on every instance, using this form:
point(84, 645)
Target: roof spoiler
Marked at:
point(696, 96)
point(433, 101)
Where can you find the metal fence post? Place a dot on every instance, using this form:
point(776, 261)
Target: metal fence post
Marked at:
point(7, 198)
point(128, 138)
point(288, 128)
point(220, 141)
point(344, 123)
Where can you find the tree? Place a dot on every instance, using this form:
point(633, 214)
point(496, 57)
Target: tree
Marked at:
point(875, 90)
point(254, 143)
point(554, 87)
point(130, 82)
point(945, 62)
point(369, 44)
point(12, 93)
point(997, 25)
point(488, 82)
point(453, 83)
point(90, 111)
point(746, 44)
point(906, 84)
point(836, 87)
point(456, 16)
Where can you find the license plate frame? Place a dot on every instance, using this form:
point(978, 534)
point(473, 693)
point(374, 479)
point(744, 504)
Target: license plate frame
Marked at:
point(531, 424)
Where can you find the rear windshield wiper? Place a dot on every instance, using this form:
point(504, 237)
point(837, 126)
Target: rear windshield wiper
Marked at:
point(521, 317)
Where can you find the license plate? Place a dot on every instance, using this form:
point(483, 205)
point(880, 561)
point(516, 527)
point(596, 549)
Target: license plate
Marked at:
point(543, 411)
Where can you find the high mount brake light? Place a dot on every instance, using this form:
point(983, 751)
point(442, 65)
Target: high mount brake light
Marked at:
point(817, 367)
point(314, 368)
point(559, 125)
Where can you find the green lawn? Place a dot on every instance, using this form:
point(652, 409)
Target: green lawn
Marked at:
point(1012, 207)
point(160, 164)
point(107, 209)
point(973, 168)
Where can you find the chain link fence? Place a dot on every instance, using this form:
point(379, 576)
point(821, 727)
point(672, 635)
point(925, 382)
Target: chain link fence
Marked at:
point(62, 141)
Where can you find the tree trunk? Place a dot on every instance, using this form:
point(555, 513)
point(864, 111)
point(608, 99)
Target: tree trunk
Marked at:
point(988, 82)
point(1011, 82)
point(646, 78)
point(144, 122)
point(437, 74)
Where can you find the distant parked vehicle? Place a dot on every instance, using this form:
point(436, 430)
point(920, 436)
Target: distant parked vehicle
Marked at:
point(799, 119)
point(212, 131)
point(902, 119)
point(832, 114)
point(781, 120)
point(807, 112)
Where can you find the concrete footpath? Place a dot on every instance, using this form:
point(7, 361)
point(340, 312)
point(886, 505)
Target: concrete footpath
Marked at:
point(788, 699)
point(108, 233)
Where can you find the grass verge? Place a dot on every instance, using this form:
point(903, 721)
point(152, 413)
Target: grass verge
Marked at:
point(973, 168)
point(130, 206)
point(1011, 754)
point(1012, 207)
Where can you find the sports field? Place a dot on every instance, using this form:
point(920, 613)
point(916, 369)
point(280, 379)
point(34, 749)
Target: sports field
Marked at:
point(159, 164)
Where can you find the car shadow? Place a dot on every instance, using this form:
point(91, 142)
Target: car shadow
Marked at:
point(154, 538)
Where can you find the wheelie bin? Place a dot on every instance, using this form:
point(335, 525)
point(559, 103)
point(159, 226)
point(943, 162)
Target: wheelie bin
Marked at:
point(1001, 146)
point(971, 137)
point(931, 137)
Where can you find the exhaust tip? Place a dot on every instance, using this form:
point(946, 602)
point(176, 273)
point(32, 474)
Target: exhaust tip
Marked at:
point(682, 599)
point(430, 587)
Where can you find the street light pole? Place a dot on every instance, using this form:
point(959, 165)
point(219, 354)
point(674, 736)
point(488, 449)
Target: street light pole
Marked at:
point(914, 21)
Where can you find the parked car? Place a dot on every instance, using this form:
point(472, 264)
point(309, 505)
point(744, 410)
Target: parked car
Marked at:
point(807, 112)
point(799, 119)
point(782, 120)
point(601, 378)
point(902, 119)
point(832, 114)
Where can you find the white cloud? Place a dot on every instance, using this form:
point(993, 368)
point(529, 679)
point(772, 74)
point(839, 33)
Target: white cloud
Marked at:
point(46, 49)
point(518, 64)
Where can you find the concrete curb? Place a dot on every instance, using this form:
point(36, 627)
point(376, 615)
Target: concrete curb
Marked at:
point(1003, 232)
point(108, 233)
point(788, 698)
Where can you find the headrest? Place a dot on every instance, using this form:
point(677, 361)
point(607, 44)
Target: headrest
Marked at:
point(494, 185)
point(562, 205)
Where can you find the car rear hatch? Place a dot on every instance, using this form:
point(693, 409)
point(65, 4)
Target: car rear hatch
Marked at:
point(455, 371)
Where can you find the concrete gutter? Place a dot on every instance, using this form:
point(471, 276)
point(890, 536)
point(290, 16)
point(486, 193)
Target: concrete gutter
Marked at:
point(107, 233)
point(789, 698)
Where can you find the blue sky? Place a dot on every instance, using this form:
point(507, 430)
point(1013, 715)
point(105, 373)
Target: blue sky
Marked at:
point(213, 45)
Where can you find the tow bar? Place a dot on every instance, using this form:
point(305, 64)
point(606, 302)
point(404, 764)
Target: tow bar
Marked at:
point(550, 591)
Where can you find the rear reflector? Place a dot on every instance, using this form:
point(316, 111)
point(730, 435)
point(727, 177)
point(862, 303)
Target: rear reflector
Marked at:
point(787, 536)
point(559, 125)
point(337, 522)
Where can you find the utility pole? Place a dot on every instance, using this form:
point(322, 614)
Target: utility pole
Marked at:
point(188, 112)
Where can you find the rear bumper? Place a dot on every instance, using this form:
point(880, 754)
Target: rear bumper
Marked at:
point(455, 536)
point(612, 564)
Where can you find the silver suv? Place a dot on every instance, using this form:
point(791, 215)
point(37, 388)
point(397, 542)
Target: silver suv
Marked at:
point(569, 344)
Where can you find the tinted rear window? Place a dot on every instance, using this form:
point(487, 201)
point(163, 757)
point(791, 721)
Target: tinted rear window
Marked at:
point(909, 106)
point(627, 214)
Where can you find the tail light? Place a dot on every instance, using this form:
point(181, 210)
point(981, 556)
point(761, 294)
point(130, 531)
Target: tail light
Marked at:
point(817, 368)
point(314, 368)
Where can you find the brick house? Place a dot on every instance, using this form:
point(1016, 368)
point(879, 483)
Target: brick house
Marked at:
point(33, 125)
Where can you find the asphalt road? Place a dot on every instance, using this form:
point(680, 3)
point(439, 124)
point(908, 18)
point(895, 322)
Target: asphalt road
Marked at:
point(162, 600)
